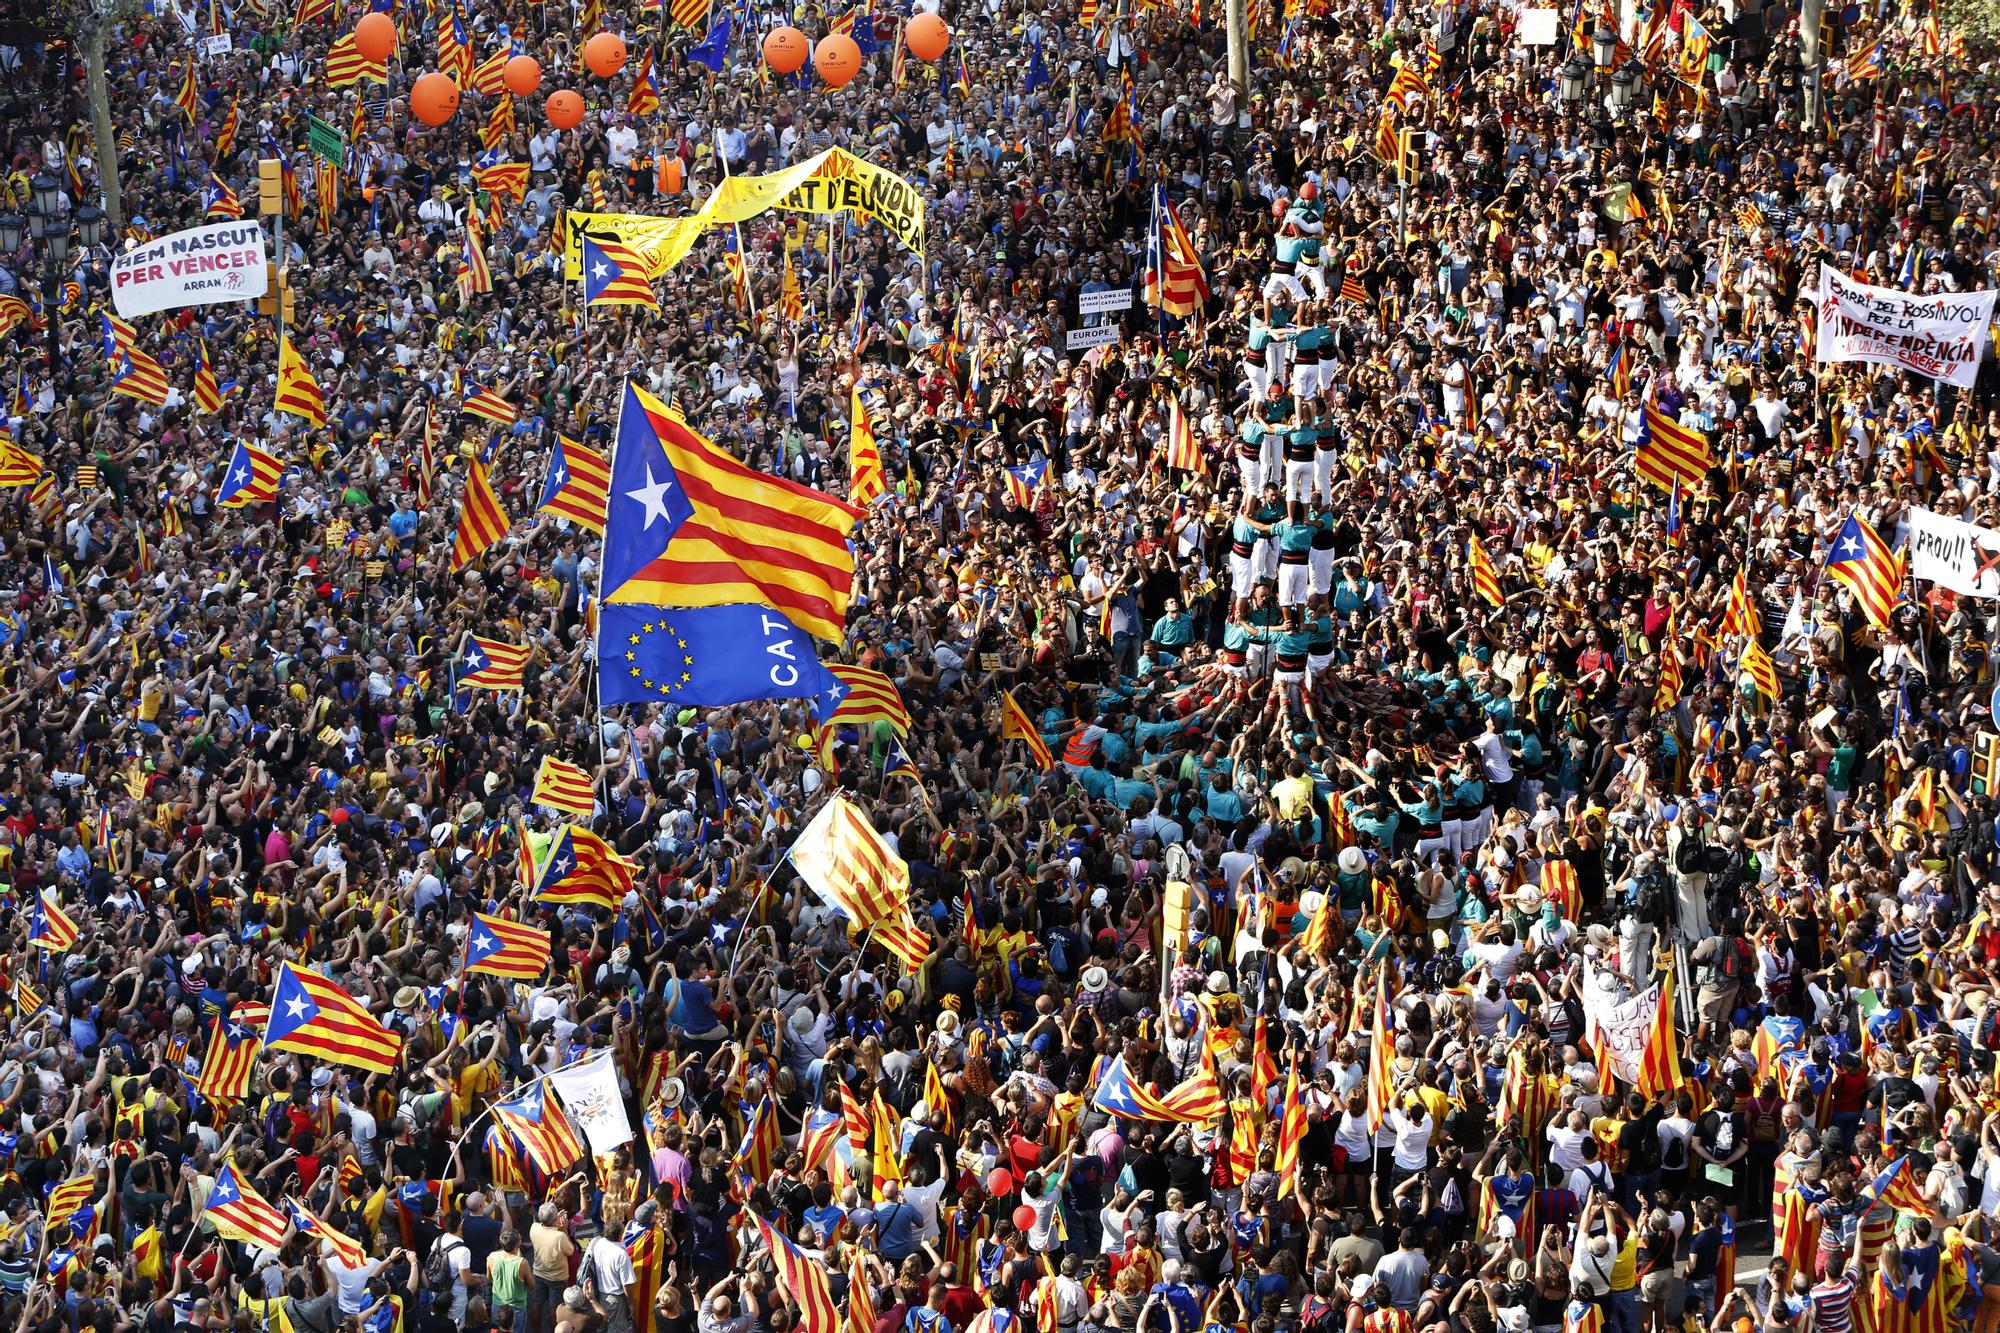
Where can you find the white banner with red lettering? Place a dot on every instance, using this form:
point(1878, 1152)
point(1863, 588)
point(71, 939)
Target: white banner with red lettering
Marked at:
point(1942, 336)
point(223, 261)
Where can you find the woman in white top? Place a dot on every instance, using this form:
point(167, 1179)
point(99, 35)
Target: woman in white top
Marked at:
point(1358, 1144)
point(1116, 1219)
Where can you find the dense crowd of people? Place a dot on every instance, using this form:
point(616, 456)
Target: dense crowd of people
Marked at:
point(1432, 703)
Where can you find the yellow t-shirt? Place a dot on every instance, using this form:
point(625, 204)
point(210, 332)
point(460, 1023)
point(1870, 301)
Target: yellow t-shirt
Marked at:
point(1624, 1273)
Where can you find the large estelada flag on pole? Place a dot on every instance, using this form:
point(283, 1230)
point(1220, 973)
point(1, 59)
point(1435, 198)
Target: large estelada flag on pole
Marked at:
point(311, 1015)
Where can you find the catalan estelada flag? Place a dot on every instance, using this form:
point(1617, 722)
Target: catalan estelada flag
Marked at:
point(1381, 1067)
point(1668, 450)
point(232, 1053)
point(583, 868)
point(578, 485)
point(1016, 725)
point(1860, 559)
point(541, 1128)
point(312, 1016)
point(309, 1223)
point(564, 787)
point(483, 402)
point(49, 926)
point(239, 1212)
point(188, 96)
point(481, 520)
point(863, 697)
point(491, 664)
point(298, 392)
point(1485, 578)
point(690, 525)
point(503, 948)
point(252, 478)
point(615, 274)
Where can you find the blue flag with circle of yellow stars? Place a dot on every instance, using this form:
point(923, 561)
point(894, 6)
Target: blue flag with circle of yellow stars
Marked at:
point(704, 657)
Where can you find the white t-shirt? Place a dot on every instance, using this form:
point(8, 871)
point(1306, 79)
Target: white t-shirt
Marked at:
point(1566, 1146)
point(613, 1265)
point(1413, 1139)
point(352, 1283)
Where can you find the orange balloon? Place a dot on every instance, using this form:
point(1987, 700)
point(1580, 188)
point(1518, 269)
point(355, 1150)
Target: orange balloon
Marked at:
point(785, 49)
point(433, 98)
point(564, 110)
point(604, 54)
point(375, 36)
point(837, 58)
point(522, 75)
point(927, 37)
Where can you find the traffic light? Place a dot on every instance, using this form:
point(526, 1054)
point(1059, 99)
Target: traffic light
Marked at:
point(285, 298)
point(1409, 143)
point(1985, 764)
point(267, 304)
point(270, 186)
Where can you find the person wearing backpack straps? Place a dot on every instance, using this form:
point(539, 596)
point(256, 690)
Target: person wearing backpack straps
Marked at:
point(1726, 962)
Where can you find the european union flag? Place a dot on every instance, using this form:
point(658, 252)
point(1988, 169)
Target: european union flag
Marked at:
point(647, 503)
point(1038, 70)
point(713, 50)
point(704, 657)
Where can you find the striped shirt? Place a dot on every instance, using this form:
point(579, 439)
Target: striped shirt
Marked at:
point(1833, 1305)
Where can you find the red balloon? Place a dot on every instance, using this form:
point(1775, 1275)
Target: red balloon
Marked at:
point(339, 815)
point(785, 49)
point(837, 58)
point(604, 54)
point(433, 98)
point(375, 36)
point(522, 75)
point(564, 110)
point(1024, 1217)
point(927, 37)
point(999, 1182)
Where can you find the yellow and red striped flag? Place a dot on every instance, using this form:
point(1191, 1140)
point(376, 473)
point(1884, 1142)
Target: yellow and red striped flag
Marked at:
point(746, 537)
point(313, 1016)
point(188, 96)
point(481, 520)
point(207, 395)
point(488, 405)
point(475, 275)
point(864, 457)
point(1485, 578)
point(1381, 1072)
point(507, 179)
point(563, 787)
point(805, 1279)
point(1668, 450)
point(540, 1127)
point(502, 948)
point(345, 65)
point(1016, 725)
point(233, 1045)
point(1757, 664)
point(491, 664)
point(239, 1212)
point(867, 696)
point(849, 865)
point(1183, 453)
point(578, 485)
point(298, 392)
point(1861, 560)
point(1660, 1061)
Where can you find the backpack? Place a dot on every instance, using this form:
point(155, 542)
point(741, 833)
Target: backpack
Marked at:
point(1688, 858)
point(1763, 1125)
point(1674, 1155)
point(1716, 860)
point(1651, 907)
point(1735, 964)
point(440, 1275)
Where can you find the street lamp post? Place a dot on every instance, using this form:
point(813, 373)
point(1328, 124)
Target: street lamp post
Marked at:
point(47, 223)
